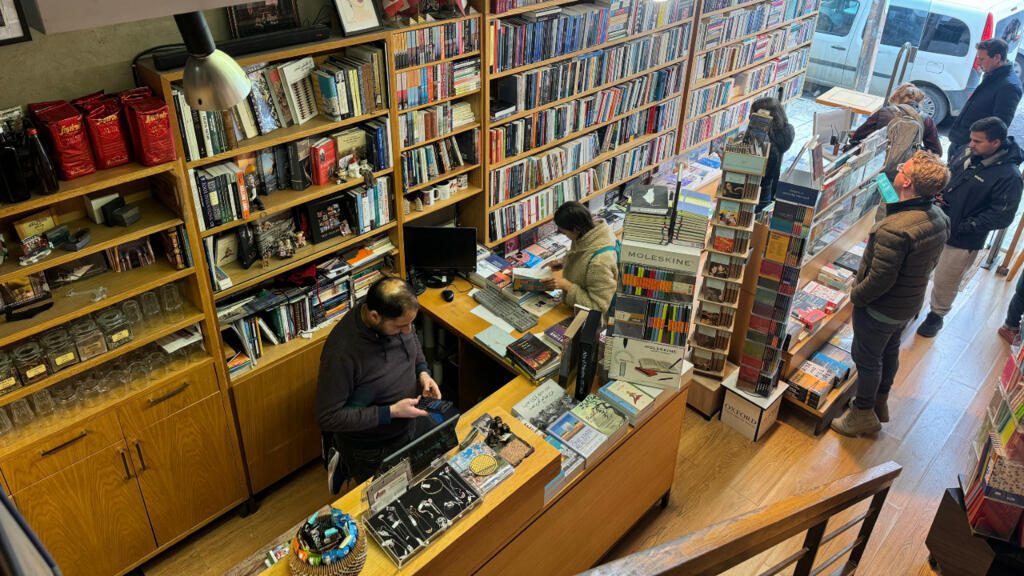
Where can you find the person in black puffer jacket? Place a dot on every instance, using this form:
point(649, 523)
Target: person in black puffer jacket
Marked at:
point(997, 95)
point(902, 250)
point(982, 196)
point(781, 135)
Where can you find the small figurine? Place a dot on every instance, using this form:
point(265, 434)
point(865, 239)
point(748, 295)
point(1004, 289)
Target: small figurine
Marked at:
point(367, 172)
point(300, 239)
point(353, 168)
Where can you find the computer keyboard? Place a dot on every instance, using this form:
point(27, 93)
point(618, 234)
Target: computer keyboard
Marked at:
point(505, 309)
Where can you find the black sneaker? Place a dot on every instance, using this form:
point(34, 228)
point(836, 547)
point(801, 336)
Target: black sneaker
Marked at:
point(931, 326)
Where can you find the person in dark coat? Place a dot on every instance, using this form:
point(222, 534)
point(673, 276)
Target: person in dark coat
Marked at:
point(997, 95)
point(781, 135)
point(982, 196)
point(903, 249)
point(904, 94)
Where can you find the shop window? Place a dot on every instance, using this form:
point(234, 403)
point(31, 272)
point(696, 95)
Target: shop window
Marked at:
point(836, 16)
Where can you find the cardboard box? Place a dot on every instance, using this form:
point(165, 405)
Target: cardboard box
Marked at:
point(707, 393)
point(749, 414)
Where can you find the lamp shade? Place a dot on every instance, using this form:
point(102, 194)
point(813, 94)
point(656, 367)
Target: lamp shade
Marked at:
point(214, 82)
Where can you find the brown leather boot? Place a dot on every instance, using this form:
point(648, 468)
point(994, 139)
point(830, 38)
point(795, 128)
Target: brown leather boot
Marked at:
point(857, 422)
point(882, 407)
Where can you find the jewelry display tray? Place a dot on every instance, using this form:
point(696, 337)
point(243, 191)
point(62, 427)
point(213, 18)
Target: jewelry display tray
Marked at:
point(436, 500)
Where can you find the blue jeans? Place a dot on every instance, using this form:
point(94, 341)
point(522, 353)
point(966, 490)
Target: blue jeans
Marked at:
point(1016, 309)
point(876, 351)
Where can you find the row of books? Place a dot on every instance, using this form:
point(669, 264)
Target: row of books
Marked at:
point(800, 32)
point(693, 210)
point(426, 45)
point(711, 96)
point(708, 126)
point(224, 192)
point(428, 162)
point(536, 36)
point(651, 319)
point(176, 248)
point(656, 283)
point(728, 26)
point(541, 86)
point(729, 240)
point(434, 122)
point(644, 122)
point(527, 174)
point(559, 122)
point(723, 60)
point(640, 157)
point(637, 16)
point(814, 302)
point(584, 431)
point(351, 83)
point(509, 219)
point(826, 369)
point(792, 88)
point(437, 82)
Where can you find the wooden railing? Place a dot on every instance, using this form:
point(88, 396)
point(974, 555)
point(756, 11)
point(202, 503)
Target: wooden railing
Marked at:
point(731, 542)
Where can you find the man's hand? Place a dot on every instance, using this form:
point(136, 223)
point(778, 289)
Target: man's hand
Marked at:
point(428, 387)
point(406, 408)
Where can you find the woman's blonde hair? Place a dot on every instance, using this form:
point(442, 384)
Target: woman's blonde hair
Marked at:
point(906, 93)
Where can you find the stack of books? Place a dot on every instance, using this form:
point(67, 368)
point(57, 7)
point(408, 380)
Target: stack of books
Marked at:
point(650, 215)
point(533, 356)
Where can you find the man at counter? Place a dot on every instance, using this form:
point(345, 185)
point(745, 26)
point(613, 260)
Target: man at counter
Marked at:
point(372, 374)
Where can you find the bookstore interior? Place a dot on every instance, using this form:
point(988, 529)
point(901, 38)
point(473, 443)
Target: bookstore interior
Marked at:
point(182, 245)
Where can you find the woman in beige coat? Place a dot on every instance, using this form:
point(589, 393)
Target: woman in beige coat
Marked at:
point(588, 272)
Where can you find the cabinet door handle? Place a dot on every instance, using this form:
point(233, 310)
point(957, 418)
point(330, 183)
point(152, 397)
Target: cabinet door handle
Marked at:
point(124, 461)
point(168, 396)
point(138, 450)
point(64, 444)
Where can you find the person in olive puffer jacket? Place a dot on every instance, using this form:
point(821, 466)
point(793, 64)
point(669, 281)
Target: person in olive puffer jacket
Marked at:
point(903, 249)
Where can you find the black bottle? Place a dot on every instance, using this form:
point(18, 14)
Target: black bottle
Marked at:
point(45, 171)
point(13, 187)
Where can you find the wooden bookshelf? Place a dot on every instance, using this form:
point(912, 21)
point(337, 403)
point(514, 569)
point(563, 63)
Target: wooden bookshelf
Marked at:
point(531, 8)
point(442, 204)
point(455, 58)
point(702, 82)
point(457, 130)
point(767, 30)
point(747, 95)
point(439, 101)
point(738, 6)
point(446, 176)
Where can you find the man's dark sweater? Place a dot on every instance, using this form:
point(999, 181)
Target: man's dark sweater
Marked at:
point(362, 373)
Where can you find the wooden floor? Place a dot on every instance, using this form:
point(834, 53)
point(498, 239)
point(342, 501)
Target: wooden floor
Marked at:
point(936, 405)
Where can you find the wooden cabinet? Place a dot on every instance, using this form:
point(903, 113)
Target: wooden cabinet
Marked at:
point(188, 468)
point(276, 411)
point(90, 515)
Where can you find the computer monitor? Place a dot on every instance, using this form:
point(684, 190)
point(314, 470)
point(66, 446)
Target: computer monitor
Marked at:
point(425, 449)
point(21, 552)
point(440, 250)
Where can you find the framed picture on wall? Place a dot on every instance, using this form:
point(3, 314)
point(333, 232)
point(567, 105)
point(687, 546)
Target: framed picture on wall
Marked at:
point(13, 27)
point(254, 18)
point(358, 16)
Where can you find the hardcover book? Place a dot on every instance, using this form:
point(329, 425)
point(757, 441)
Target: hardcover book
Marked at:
point(600, 414)
point(543, 406)
point(629, 400)
point(532, 355)
point(572, 465)
point(579, 436)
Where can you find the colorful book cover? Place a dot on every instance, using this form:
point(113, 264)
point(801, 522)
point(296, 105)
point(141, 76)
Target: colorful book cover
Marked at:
point(597, 412)
point(543, 406)
point(579, 436)
point(642, 362)
point(463, 464)
point(627, 399)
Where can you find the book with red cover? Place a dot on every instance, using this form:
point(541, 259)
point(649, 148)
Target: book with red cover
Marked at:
point(324, 157)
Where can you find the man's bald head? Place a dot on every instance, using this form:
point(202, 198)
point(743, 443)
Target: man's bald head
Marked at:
point(391, 298)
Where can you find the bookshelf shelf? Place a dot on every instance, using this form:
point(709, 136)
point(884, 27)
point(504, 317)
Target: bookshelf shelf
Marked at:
point(431, 24)
point(586, 198)
point(147, 336)
point(767, 30)
point(822, 327)
point(154, 218)
point(459, 130)
point(442, 178)
point(119, 285)
point(439, 101)
point(284, 135)
point(495, 75)
point(272, 354)
point(830, 400)
point(587, 130)
point(731, 8)
point(585, 93)
point(243, 279)
point(706, 325)
point(282, 200)
point(41, 429)
point(705, 348)
point(596, 161)
point(455, 58)
point(94, 182)
point(531, 8)
point(442, 204)
point(702, 82)
point(746, 96)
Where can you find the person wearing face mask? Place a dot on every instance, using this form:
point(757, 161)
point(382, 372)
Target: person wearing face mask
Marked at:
point(903, 249)
point(372, 374)
point(587, 274)
point(997, 95)
point(982, 196)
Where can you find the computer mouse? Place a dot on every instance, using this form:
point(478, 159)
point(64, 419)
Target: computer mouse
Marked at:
point(448, 295)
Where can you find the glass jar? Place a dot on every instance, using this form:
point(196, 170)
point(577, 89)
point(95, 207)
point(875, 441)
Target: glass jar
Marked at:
point(88, 339)
point(9, 381)
point(31, 363)
point(60, 350)
point(116, 330)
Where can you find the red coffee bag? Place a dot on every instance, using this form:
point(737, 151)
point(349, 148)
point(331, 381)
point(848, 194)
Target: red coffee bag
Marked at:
point(66, 129)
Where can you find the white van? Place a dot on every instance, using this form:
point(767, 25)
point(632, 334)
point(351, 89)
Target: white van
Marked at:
point(944, 31)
